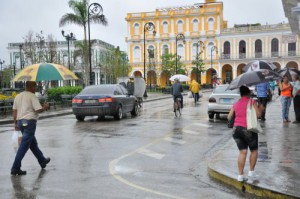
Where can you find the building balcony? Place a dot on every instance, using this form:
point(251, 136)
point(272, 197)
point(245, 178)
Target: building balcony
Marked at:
point(258, 55)
point(165, 36)
point(210, 33)
point(195, 34)
point(261, 55)
point(150, 37)
point(135, 38)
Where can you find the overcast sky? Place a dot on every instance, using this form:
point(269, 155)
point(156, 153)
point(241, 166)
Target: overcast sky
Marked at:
point(18, 17)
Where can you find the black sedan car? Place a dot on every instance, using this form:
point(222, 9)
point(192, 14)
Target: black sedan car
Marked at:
point(104, 100)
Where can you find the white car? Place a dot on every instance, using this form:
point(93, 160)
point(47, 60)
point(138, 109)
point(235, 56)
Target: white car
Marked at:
point(221, 100)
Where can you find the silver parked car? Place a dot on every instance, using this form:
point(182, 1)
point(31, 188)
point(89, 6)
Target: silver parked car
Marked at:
point(221, 100)
point(104, 100)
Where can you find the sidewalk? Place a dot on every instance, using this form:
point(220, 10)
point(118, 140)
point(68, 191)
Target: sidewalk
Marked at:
point(278, 159)
point(7, 119)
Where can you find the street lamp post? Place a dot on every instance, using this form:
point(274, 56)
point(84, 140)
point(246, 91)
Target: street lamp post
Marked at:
point(178, 37)
point(149, 26)
point(197, 58)
point(20, 47)
point(1, 62)
point(211, 50)
point(68, 37)
point(93, 10)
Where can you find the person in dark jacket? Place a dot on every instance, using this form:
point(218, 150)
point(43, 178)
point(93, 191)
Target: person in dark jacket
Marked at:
point(176, 91)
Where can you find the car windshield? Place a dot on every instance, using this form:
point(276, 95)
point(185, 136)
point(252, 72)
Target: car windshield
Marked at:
point(222, 89)
point(103, 90)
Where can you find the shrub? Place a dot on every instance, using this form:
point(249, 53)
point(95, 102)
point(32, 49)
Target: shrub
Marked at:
point(55, 93)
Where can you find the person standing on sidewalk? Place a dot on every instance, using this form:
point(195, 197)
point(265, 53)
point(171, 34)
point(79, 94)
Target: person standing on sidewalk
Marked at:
point(25, 113)
point(263, 90)
point(296, 95)
point(245, 139)
point(286, 98)
point(195, 88)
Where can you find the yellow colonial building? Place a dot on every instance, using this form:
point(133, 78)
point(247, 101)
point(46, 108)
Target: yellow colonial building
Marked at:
point(224, 51)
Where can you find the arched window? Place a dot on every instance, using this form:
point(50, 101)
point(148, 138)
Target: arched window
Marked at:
point(194, 51)
point(151, 52)
point(226, 53)
point(165, 49)
point(274, 47)
point(211, 24)
point(165, 27)
point(258, 48)
point(292, 49)
point(242, 49)
point(136, 29)
point(180, 26)
point(137, 53)
point(180, 51)
point(195, 25)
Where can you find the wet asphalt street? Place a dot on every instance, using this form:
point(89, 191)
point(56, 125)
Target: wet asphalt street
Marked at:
point(154, 155)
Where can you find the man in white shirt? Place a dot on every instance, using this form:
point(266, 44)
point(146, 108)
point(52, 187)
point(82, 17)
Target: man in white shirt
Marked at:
point(296, 95)
point(25, 112)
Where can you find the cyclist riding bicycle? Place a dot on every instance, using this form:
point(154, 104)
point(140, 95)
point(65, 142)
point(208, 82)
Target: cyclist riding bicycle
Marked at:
point(176, 90)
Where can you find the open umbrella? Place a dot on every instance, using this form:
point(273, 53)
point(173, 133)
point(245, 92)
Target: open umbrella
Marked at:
point(45, 72)
point(289, 72)
point(182, 78)
point(259, 64)
point(253, 78)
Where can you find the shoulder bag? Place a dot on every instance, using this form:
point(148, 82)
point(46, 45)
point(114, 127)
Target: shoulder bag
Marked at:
point(252, 123)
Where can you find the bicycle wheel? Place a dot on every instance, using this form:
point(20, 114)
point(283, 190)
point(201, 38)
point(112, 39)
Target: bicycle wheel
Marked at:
point(177, 108)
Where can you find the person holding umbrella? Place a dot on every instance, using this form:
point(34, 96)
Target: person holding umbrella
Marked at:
point(296, 95)
point(286, 98)
point(26, 108)
point(245, 139)
point(176, 91)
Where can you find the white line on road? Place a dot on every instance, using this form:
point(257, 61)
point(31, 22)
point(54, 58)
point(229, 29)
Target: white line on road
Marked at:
point(151, 154)
point(204, 125)
point(169, 139)
point(190, 132)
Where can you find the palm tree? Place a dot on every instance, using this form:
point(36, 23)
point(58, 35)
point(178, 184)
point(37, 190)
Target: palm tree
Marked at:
point(80, 17)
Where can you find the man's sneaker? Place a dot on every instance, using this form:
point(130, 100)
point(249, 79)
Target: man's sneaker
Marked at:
point(17, 172)
point(252, 176)
point(44, 164)
point(242, 178)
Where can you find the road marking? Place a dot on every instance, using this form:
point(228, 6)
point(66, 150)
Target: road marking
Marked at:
point(204, 125)
point(190, 132)
point(151, 154)
point(113, 172)
point(169, 139)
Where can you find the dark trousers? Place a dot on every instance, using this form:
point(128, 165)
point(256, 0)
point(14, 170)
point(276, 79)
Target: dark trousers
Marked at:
point(263, 101)
point(196, 96)
point(178, 96)
point(297, 107)
point(27, 128)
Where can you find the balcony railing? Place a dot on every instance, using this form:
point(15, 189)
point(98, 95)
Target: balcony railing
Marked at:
point(291, 53)
point(242, 55)
point(225, 56)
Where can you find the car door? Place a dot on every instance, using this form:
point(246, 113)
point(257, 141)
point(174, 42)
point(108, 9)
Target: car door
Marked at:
point(122, 98)
point(130, 100)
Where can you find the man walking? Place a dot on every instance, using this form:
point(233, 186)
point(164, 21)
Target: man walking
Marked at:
point(263, 89)
point(296, 95)
point(25, 113)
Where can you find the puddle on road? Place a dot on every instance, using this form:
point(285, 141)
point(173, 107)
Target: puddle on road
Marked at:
point(264, 154)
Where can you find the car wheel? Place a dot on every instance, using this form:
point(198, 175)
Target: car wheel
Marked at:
point(211, 115)
point(119, 114)
point(80, 118)
point(135, 110)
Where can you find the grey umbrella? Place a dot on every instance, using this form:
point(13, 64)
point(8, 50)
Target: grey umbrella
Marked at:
point(257, 65)
point(289, 72)
point(253, 78)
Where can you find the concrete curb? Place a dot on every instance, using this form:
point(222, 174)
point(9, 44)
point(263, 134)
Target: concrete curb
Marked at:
point(246, 187)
